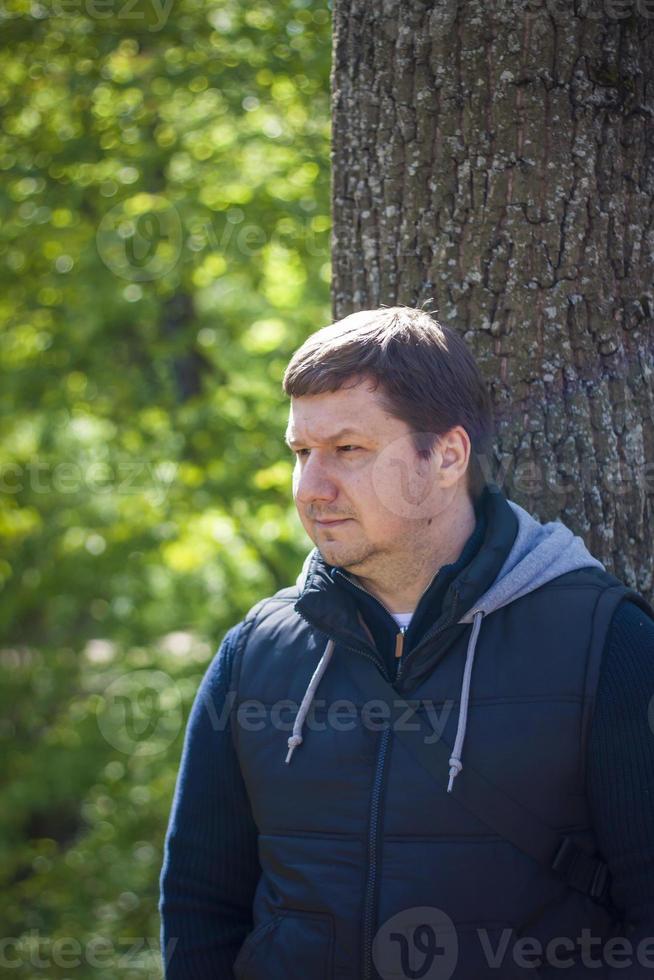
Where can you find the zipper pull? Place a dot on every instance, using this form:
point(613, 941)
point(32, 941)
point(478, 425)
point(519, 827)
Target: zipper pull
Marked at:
point(399, 650)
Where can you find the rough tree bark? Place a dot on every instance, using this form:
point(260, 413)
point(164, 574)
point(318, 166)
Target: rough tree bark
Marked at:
point(497, 159)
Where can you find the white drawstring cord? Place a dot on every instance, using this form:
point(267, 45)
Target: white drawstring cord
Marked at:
point(455, 761)
point(296, 738)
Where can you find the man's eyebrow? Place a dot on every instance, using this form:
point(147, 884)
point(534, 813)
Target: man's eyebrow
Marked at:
point(341, 434)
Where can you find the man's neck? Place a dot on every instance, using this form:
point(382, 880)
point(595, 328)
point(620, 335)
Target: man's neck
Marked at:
point(400, 588)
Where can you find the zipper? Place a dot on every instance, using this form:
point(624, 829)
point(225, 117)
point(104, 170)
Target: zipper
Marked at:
point(369, 896)
point(429, 635)
point(379, 664)
point(399, 639)
point(369, 901)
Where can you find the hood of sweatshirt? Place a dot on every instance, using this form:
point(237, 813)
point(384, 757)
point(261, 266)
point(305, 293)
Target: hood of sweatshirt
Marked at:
point(538, 554)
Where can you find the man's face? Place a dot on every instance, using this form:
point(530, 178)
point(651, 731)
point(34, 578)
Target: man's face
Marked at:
point(356, 463)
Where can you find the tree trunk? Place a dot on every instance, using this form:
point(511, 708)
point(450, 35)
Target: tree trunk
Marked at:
point(496, 160)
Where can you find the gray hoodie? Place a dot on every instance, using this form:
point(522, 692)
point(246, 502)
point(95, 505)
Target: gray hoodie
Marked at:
point(540, 553)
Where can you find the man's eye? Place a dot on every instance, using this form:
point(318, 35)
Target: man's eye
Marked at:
point(300, 452)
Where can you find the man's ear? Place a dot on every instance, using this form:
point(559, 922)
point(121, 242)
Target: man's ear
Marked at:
point(453, 450)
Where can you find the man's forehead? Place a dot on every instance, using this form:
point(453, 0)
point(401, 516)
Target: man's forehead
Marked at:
point(334, 415)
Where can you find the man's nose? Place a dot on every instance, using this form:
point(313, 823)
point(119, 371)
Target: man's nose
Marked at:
point(314, 482)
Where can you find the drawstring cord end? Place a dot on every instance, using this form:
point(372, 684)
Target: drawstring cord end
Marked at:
point(455, 768)
point(293, 743)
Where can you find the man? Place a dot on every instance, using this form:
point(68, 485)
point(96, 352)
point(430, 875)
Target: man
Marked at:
point(502, 826)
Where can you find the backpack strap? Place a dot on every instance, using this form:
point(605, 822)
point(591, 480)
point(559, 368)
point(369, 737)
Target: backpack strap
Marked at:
point(605, 609)
point(562, 855)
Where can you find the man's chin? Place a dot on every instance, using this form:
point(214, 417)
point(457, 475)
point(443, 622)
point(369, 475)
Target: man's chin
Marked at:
point(349, 561)
point(333, 552)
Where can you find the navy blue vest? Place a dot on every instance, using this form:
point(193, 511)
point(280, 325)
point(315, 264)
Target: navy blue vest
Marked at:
point(370, 869)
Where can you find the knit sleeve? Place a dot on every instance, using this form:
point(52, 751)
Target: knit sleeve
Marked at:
point(211, 868)
point(620, 774)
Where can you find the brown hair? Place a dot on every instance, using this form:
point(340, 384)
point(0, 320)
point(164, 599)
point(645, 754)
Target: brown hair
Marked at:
point(425, 372)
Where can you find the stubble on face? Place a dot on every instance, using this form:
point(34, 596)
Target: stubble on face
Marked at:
point(393, 558)
point(341, 547)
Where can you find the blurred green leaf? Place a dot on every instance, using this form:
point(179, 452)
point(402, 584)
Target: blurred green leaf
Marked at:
point(164, 246)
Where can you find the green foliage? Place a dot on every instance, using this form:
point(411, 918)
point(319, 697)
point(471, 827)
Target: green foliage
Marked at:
point(164, 246)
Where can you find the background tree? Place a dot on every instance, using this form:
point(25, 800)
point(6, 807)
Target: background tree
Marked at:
point(498, 160)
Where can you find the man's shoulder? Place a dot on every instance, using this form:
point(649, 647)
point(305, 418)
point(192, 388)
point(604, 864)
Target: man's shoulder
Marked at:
point(286, 596)
point(272, 606)
point(584, 576)
point(633, 622)
point(593, 579)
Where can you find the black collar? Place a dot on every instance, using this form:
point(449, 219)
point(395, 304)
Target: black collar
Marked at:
point(334, 610)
